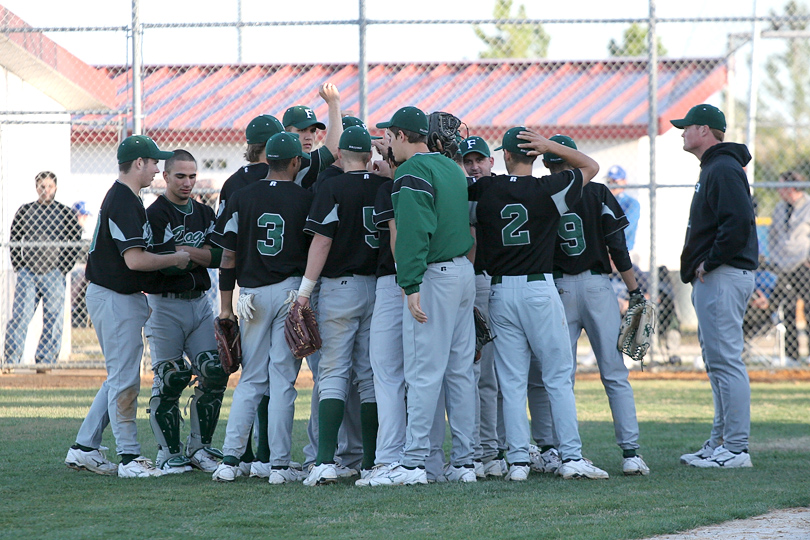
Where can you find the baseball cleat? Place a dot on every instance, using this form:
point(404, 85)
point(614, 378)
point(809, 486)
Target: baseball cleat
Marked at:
point(176, 465)
point(399, 475)
point(479, 469)
point(226, 473)
point(635, 466)
point(704, 453)
point(322, 474)
point(496, 467)
point(544, 462)
point(723, 458)
point(367, 475)
point(140, 467)
point(459, 474)
point(244, 468)
point(581, 468)
point(259, 470)
point(518, 472)
point(345, 472)
point(285, 475)
point(203, 460)
point(94, 461)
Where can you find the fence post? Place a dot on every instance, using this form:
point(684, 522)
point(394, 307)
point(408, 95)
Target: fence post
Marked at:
point(753, 93)
point(652, 133)
point(362, 66)
point(137, 34)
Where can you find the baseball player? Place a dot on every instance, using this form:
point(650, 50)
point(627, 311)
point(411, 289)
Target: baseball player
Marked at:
point(518, 216)
point(182, 323)
point(344, 255)
point(590, 235)
point(432, 240)
point(119, 267)
point(477, 162)
point(264, 249)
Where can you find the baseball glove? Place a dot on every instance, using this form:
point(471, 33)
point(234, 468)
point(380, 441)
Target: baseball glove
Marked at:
point(301, 331)
point(443, 133)
point(483, 334)
point(229, 344)
point(638, 326)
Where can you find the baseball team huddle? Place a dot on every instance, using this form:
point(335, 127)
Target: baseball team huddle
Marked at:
point(393, 254)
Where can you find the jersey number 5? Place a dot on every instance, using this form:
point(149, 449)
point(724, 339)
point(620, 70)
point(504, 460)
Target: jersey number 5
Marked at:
point(274, 224)
point(373, 239)
point(510, 234)
point(570, 231)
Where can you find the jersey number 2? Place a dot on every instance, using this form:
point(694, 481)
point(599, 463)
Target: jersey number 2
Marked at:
point(373, 239)
point(274, 224)
point(510, 234)
point(570, 231)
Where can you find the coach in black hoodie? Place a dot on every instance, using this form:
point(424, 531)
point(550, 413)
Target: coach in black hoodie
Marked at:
point(719, 258)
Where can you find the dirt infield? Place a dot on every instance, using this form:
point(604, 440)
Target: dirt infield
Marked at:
point(92, 378)
point(790, 524)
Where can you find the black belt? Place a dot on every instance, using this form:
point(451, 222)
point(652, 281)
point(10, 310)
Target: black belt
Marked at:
point(188, 295)
point(557, 274)
point(531, 277)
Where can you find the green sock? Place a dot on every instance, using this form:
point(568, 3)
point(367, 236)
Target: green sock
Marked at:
point(127, 458)
point(368, 425)
point(233, 461)
point(629, 453)
point(248, 456)
point(263, 450)
point(78, 446)
point(330, 416)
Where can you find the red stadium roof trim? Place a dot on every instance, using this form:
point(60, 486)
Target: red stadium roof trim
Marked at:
point(588, 99)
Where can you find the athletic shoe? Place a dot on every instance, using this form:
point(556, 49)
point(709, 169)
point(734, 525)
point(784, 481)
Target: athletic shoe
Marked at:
point(259, 470)
point(496, 467)
point(204, 461)
point(581, 468)
point(226, 473)
point(479, 469)
point(140, 467)
point(345, 472)
point(401, 476)
point(322, 474)
point(518, 473)
point(176, 465)
point(704, 453)
point(287, 474)
point(544, 462)
point(94, 461)
point(724, 459)
point(459, 474)
point(635, 466)
point(367, 474)
point(244, 468)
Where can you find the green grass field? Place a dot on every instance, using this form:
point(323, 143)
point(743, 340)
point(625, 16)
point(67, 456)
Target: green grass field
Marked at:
point(41, 498)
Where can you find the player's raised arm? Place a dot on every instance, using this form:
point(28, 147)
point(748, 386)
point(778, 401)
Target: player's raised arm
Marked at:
point(540, 145)
point(334, 129)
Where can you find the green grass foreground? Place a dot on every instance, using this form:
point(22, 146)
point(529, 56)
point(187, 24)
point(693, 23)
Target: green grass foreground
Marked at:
point(41, 498)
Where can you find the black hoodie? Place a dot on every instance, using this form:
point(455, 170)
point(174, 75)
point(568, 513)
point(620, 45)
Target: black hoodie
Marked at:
point(722, 227)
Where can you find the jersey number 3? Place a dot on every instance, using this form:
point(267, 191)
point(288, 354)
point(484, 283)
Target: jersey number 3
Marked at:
point(274, 224)
point(570, 231)
point(510, 234)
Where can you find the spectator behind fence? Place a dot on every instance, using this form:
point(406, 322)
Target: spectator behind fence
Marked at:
point(789, 248)
point(41, 255)
point(617, 178)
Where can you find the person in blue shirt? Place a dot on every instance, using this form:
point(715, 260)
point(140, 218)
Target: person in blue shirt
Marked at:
point(617, 177)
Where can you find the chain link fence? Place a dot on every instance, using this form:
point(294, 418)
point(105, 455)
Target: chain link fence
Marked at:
point(502, 65)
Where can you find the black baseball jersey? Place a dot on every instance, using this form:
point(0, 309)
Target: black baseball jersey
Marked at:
point(592, 227)
point(479, 264)
point(245, 176)
point(189, 225)
point(329, 172)
point(121, 225)
point(519, 216)
point(343, 210)
point(264, 224)
point(318, 160)
point(383, 213)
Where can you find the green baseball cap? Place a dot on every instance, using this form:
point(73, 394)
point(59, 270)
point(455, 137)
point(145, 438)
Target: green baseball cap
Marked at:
point(301, 117)
point(511, 141)
point(355, 139)
point(474, 144)
point(140, 146)
point(564, 140)
point(283, 146)
point(349, 121)
point(262, 128)
point(702, 115)
point(409, 118)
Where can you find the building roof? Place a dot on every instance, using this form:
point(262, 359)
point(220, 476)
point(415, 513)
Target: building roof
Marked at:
point(587, 99)
point(45, 65)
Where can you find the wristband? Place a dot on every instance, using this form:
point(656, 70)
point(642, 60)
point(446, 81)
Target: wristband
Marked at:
point(305, 289)
point(637, 290)
point(216, 257)
point(227, 279)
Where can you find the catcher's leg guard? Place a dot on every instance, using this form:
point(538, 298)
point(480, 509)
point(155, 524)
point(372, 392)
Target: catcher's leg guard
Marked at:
point(207, 401)
point(164, 412)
